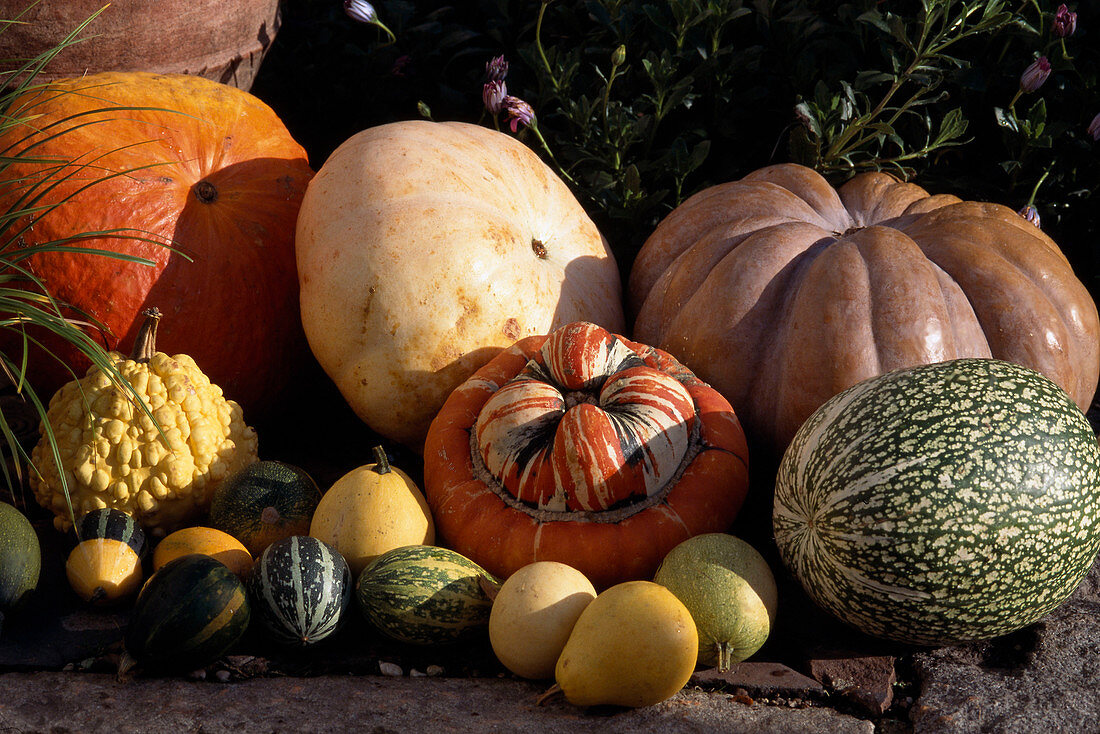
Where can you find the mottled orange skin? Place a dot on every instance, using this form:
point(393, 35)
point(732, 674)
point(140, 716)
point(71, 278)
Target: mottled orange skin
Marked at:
point(212, 171)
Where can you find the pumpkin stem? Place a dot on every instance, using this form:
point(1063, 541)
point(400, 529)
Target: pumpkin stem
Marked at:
point(381, 463)
point(145, 345)
point(552, 692)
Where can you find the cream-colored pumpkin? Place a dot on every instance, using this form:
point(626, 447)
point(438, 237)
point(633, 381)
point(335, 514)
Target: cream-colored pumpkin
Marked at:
point(424, 249)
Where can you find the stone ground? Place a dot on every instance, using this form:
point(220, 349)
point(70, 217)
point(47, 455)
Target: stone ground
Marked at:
point(58, 670)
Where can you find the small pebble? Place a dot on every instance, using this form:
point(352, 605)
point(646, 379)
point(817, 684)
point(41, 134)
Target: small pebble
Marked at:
point(199, 674)
point(435, 670)
point(414, 673)
point(391, 669)
point(222, 676)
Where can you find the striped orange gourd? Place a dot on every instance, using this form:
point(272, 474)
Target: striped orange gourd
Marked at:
point(585, 448)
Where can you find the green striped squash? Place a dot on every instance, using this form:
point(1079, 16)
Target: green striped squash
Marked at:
point(188, 614)
point(112, 524)
point(425, 595)
point(950, 502)
point(300, 589)
point(20, 559)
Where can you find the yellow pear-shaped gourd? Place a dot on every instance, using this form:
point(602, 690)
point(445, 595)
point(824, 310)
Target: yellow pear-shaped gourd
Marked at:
point(634, 645)
point(371, 510)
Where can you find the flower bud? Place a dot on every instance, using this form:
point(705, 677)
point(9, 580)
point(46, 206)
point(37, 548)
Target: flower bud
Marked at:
point(1031, 214)
point(1094, 128)
point(518, 111)
point(619, 56)
point(493, 95)
point(1065, 22)
point(496, 69)
point(1035, 74)
point(360, 10)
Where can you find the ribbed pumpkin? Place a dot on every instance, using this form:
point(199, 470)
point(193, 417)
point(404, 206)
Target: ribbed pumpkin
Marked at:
point(300, 589)
point(426, 248)
point(943, 503)
point(188, 614)
point(781, 291)
point(585, 448)
point(176, 159)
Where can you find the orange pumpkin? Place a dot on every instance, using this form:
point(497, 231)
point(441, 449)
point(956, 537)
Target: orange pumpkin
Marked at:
point(202, 165)
point(584, 448)
point(781, 292)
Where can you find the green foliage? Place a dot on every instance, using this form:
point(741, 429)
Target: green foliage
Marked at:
point(642, 103)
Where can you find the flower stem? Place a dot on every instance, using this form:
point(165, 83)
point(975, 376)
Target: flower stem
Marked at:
point(534, 127)
point(538, 45)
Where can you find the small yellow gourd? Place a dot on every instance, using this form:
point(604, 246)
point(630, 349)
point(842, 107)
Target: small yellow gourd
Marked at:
point(634, 645)
point(533, 613)
point(205, 541)
point(104, 571)
point(113, 454)
point(371, 510)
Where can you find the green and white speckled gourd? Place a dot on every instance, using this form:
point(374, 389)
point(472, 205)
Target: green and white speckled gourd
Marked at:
point(944, 503)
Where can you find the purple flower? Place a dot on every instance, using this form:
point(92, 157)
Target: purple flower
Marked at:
point(1065, 22)
point(1035, 74)
point(496, 70)
point(518, 111)
point(1094, 128)
point(493, 95)
point(360, 10)
point(1030, 213)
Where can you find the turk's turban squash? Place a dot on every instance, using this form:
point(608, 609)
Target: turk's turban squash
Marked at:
point(814, 289)
point(584, 448)
point(149, 160)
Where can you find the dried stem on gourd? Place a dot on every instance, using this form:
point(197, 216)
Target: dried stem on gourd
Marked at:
point(381, 463)
point(550, 694)
point(145, 345)
point(725, 656)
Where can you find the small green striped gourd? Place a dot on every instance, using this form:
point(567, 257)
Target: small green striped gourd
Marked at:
point(425, 595)
point(112, 524)
point(301, 588)
point(188, 614)
point(943, 503)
